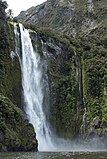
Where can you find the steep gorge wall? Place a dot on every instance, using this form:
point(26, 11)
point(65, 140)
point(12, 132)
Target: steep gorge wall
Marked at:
point(77, 73)
point(77, 77)
point(13, 125)
point(94, 79)
point(10, 79)
point(65, 81)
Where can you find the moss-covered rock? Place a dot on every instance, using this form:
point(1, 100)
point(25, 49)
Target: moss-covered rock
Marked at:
point(10, 76)
point(77, 73)
point(65, 80)
point(16, 134)
point(94, 57)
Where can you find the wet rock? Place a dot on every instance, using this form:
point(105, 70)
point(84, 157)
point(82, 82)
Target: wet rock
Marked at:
point(96, 122)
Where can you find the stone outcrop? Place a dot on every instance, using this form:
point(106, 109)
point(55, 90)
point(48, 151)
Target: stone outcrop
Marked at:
point(68, 16)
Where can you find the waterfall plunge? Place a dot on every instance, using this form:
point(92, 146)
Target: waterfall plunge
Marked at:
point(33, 85)
point(33, 92)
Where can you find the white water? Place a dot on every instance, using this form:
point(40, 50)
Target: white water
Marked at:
point(90, 6)
point(32, 83)
point(33, 91)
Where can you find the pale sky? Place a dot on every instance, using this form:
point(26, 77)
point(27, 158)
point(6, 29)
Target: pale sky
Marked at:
point(18, 5)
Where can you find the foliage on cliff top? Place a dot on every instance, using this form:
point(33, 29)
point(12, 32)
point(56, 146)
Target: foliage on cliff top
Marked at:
point(3, 3)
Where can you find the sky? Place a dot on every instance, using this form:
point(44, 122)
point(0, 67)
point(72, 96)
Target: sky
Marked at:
point(18, 5)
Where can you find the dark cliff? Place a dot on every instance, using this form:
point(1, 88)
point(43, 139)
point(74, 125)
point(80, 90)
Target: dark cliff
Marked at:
point(15, 130)
point(16, 134)
point(77, 78)
point(10, 79)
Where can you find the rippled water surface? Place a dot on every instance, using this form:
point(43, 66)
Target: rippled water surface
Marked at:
point(55, 155)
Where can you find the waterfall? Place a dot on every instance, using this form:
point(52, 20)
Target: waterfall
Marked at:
point(90, 6)
point(83, 126)
point(35, 90)
point(33, 82)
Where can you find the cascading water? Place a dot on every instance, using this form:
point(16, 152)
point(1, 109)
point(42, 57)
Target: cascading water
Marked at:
point(33, 83)
point(33, 88)
point(90, 6)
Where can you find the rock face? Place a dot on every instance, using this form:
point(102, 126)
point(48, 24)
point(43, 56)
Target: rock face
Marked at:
point(16, 134)
point(10, 77)
point(66, 15)
point(65, 81)
point(77, 79)
point(3, 6)
point(77, 75)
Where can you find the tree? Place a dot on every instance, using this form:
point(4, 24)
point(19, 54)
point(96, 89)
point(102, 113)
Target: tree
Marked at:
point(10, 14)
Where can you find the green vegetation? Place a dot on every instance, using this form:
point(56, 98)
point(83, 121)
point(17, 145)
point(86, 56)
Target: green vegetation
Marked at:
point(16, 134)
point(10, 77)
point(84, 55)
point(94, 54)
point(65, 97)
point(77, 69)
